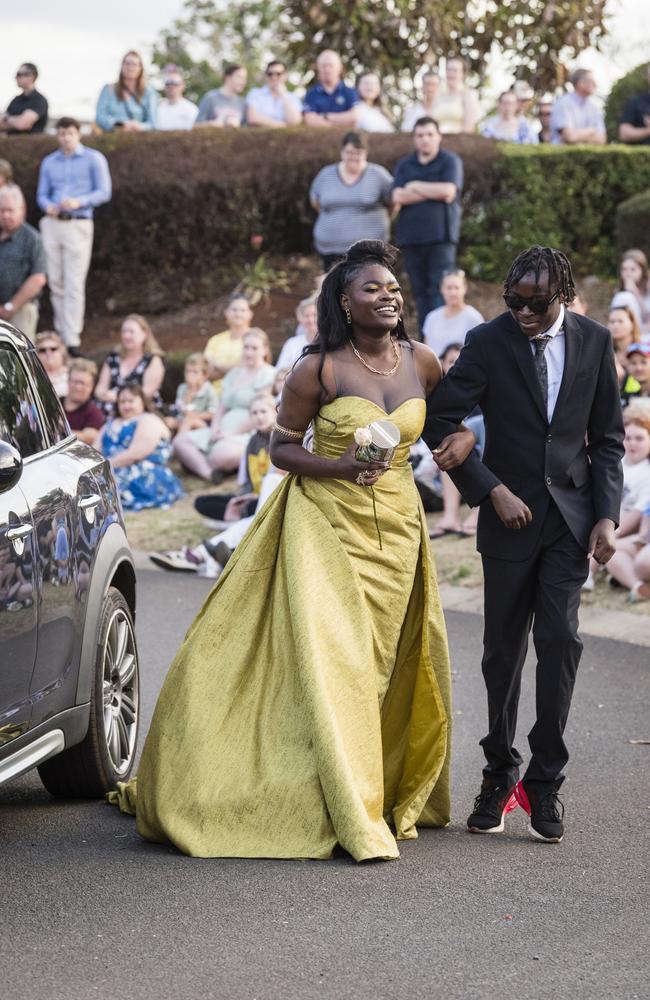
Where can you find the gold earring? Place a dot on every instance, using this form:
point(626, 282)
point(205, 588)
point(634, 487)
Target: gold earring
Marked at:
point(348, 315)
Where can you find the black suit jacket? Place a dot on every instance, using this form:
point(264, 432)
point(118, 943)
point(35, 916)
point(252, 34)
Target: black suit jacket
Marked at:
point(576, 459)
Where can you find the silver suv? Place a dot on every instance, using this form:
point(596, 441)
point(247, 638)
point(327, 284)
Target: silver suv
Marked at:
point(68, 656)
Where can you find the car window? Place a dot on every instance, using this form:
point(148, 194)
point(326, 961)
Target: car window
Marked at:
point(56, 422)
point(19, 417)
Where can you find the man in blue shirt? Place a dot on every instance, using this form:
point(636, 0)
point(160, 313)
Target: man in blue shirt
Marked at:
point(427, 189)
point(72, 182)
point(330, 102)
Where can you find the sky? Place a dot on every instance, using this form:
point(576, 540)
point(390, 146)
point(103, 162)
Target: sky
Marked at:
point(78, 45)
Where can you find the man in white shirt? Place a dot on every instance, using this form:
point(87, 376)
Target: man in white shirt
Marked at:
point(576, 117)
point(175, 112)
point(273, 105)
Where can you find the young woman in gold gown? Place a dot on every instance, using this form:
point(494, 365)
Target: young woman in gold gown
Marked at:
point(309, 704)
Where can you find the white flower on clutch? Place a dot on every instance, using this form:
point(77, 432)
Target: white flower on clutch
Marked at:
point(363, 436)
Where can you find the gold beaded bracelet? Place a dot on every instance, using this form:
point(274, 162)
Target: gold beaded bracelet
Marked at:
point(298, 435)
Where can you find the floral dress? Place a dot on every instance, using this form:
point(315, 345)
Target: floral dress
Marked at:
point(147, 483)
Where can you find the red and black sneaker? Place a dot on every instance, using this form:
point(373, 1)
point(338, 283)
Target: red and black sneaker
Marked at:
point(545, 812)
point(490, 807)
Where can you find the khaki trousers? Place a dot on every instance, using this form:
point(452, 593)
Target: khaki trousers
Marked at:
point(25, 319)
point(68, 247)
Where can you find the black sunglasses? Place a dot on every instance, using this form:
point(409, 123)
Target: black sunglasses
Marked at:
point(537, 306)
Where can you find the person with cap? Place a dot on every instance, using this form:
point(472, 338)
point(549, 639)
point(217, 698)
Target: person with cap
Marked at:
point(638, 366)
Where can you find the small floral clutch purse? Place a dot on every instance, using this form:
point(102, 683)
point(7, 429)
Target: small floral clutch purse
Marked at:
point(377, 442)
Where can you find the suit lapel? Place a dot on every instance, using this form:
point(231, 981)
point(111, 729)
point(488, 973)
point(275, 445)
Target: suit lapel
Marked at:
point(572, 353)
point(524, 358)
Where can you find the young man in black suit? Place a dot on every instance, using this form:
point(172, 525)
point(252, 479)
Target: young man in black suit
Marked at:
point(549, 489)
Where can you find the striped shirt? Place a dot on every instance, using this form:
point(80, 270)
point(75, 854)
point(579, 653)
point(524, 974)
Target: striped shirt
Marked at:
point(350, 212)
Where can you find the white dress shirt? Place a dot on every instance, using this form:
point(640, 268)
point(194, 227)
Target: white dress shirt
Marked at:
point(554, 354)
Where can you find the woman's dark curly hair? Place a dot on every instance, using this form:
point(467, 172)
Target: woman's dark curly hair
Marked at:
point(333, 329)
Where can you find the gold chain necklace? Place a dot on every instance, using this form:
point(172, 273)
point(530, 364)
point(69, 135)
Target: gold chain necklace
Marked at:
point(398, 358)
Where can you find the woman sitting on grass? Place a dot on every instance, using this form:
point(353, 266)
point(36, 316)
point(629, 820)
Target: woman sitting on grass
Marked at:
point(213, 451)
point(137, 361)
point(137, 442)
point(224, 350)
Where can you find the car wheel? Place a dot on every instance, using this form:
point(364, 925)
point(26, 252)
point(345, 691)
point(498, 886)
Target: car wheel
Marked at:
point(106, 755)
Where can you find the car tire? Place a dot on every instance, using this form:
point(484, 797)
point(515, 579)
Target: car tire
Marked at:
point(106, 755)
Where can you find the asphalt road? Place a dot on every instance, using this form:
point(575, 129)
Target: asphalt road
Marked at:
point(90, 910)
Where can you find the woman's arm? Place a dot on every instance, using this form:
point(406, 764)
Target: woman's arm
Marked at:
point(105, 115)
point(103, 391)
point(148, 434)
point(454, 449)
point(152, 377)
point(302, 397)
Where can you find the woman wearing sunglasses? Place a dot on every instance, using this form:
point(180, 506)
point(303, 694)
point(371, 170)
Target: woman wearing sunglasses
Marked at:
point(549, 489)
point(54, 358)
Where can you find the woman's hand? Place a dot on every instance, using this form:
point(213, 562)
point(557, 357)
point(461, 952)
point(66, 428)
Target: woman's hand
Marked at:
point(454, 449)
point(348, 467)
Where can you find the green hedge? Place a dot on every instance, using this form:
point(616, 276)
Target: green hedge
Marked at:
point(185, 204)
point(634, 82)
point(633, 223)
point(557, 196)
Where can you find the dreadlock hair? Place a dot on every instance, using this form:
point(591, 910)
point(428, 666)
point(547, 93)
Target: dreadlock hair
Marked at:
point(536, 259)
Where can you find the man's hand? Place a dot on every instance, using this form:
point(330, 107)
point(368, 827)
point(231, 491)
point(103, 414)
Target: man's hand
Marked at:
point(454, 449)
point(512, 511)
point(5, 314)
point(52, 210)
point(69, 204)
point(601, 541)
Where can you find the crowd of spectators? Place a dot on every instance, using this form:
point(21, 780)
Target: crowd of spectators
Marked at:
point(220, 422)
point(133, 104)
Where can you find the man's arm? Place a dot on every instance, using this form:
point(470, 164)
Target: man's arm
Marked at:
point(633, 133)
point(605, 435)
point(456, 396)
point(23, 122)
point(44, 189)
point(29, 289)
point(101, 181)
point(573, 136)
point(434, 190)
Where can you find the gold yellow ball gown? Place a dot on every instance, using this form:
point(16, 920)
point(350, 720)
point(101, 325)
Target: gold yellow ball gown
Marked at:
point(309, 704)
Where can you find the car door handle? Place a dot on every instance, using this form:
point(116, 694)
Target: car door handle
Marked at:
point(17, 537)
point(88, 505)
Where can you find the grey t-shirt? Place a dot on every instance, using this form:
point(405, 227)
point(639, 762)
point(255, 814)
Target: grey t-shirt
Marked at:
point(217, 106)
point(21, 255)
point(350, 212)
point(439, 331)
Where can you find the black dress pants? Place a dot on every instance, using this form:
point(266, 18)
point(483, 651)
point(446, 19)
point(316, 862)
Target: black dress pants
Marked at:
point(426, 265)
point(544, 591)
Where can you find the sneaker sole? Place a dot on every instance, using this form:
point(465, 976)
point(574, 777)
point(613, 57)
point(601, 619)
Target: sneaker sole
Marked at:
point(541, 838)
point(174, 567)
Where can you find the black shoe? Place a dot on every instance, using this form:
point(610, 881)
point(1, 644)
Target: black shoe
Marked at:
point(219, 551)
point(490, 807)
point(545, 811)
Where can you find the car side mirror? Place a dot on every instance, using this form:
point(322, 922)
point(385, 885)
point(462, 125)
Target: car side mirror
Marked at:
point(11, 466)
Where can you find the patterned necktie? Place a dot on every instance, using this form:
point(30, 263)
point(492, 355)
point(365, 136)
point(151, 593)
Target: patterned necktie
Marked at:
point(539, 343)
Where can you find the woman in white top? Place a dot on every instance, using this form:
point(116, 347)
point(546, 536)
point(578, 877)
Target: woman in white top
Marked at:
point(306, 314)
point(456, 110)
point(370, 116)
point(424, 107)
point(449, 323)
